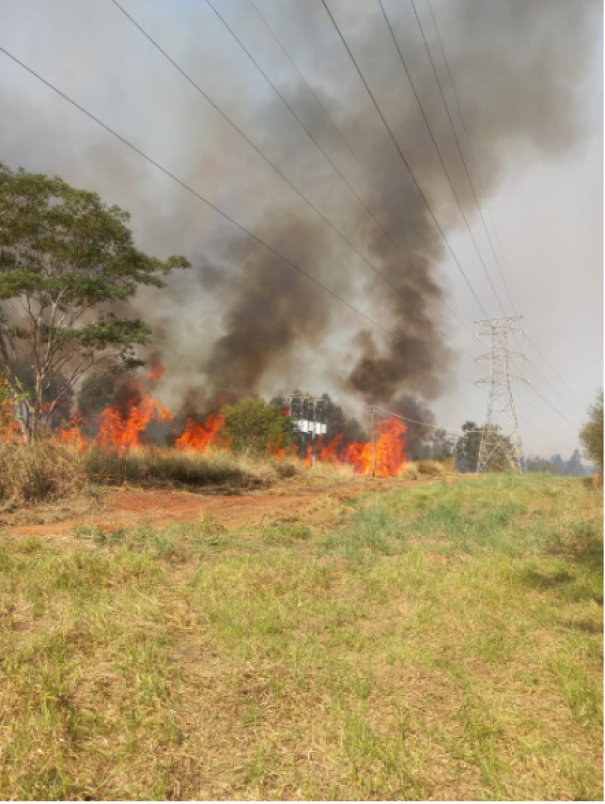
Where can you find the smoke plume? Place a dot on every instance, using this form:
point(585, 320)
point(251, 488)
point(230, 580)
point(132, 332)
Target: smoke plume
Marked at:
point(243, 321)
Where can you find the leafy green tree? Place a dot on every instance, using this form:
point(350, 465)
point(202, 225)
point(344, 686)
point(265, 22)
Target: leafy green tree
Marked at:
point(591, 434)
point(252, 426)
point(66, 259)
point(439, 444)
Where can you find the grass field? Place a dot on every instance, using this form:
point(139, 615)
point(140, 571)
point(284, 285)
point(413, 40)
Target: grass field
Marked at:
point(444, 641)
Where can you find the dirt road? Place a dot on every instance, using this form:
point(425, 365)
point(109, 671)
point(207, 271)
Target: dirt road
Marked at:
point(125, 507)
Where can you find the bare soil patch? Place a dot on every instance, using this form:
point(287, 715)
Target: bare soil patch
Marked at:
point(125, 506)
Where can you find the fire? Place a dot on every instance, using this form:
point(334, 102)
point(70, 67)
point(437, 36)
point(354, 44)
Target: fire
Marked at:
point(157, 373)
point(121, 428)
point(389, 450)
point(199, 436)
point(72, 434)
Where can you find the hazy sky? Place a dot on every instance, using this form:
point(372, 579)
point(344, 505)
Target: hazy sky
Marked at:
point(535, 114)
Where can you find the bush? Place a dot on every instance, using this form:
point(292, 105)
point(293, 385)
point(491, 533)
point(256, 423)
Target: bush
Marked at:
point(34, 472)
point(252, 427)
point(591, 435)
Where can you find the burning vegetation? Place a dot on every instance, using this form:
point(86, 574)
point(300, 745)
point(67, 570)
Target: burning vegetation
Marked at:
point(129, 424)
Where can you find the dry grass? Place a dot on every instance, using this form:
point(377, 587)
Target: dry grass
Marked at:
point(437, 642)
point(33, 472)
point(413, 470)
point(49, 470)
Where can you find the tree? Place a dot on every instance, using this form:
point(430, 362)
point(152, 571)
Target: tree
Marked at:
point(467, 449)
point(66, 259)
point(591, 434)
point(251, 426)
point(353, 431)
point(5, 412)
point(558, 465)
point(535, 464)
point(469, 445)
point(574, 466)
point(96, 394)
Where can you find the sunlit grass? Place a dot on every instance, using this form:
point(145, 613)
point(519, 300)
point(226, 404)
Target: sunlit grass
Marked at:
point(445, 642)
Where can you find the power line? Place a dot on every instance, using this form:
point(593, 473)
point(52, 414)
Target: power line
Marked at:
point(215, 208)
point(347, 145)
point(428, 127)
point(456, 430)
point(438, 149)
point(424, 424)
point(263, 156)
point(550, 405)
point(546, 380)
point(540, 413)
point(553, 369)
point(472, 151)
point(338, 171)
point(458, 142)
point(382, 117)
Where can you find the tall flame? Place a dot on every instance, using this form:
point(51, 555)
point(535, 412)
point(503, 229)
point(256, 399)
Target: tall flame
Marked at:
point(199, 436)
point(389, 449)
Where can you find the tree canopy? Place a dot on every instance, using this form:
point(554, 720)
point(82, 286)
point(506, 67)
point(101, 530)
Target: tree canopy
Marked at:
point(469, 445)
point(252, 426)
point(591, 434)
point(67, 262)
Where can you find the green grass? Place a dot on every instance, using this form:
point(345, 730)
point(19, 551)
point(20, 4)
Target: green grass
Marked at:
point(444, 643)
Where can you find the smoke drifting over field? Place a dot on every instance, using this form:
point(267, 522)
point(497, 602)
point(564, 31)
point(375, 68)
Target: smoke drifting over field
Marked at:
point(524, 95)
point(519, 69)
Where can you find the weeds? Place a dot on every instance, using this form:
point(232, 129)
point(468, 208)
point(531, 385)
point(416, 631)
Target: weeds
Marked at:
point(444, 643)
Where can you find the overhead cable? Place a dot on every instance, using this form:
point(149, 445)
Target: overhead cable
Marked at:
point(397, 146)
point(215, 208)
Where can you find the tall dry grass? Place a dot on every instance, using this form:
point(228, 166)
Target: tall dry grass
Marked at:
point(49, 470)
point(46, 470)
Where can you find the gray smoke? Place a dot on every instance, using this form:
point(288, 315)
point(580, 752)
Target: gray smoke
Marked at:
point(518, 67)
point(243, 321)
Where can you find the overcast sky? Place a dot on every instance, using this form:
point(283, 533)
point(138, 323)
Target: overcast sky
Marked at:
point(544, 170)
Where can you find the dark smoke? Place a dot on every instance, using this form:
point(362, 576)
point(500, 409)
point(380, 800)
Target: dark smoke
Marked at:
point(519, 83)
point(242, 322)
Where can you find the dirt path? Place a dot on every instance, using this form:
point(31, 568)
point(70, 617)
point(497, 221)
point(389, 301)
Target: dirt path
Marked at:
point(125, 507)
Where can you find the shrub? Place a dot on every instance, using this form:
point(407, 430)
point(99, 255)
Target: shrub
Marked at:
point(591, 435)
point(34, 472)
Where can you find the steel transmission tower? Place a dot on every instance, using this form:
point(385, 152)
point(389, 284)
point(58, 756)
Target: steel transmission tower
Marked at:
point(501, 436)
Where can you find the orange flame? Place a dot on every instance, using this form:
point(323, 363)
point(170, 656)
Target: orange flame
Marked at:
point(72, 434)
point(121, 427)
point(119, 430)
point(200, 437)
point(157, 373)
point(389, 451)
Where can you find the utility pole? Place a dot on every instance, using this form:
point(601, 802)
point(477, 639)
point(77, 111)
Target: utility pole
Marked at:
point(371, 409)
point(501, 430)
